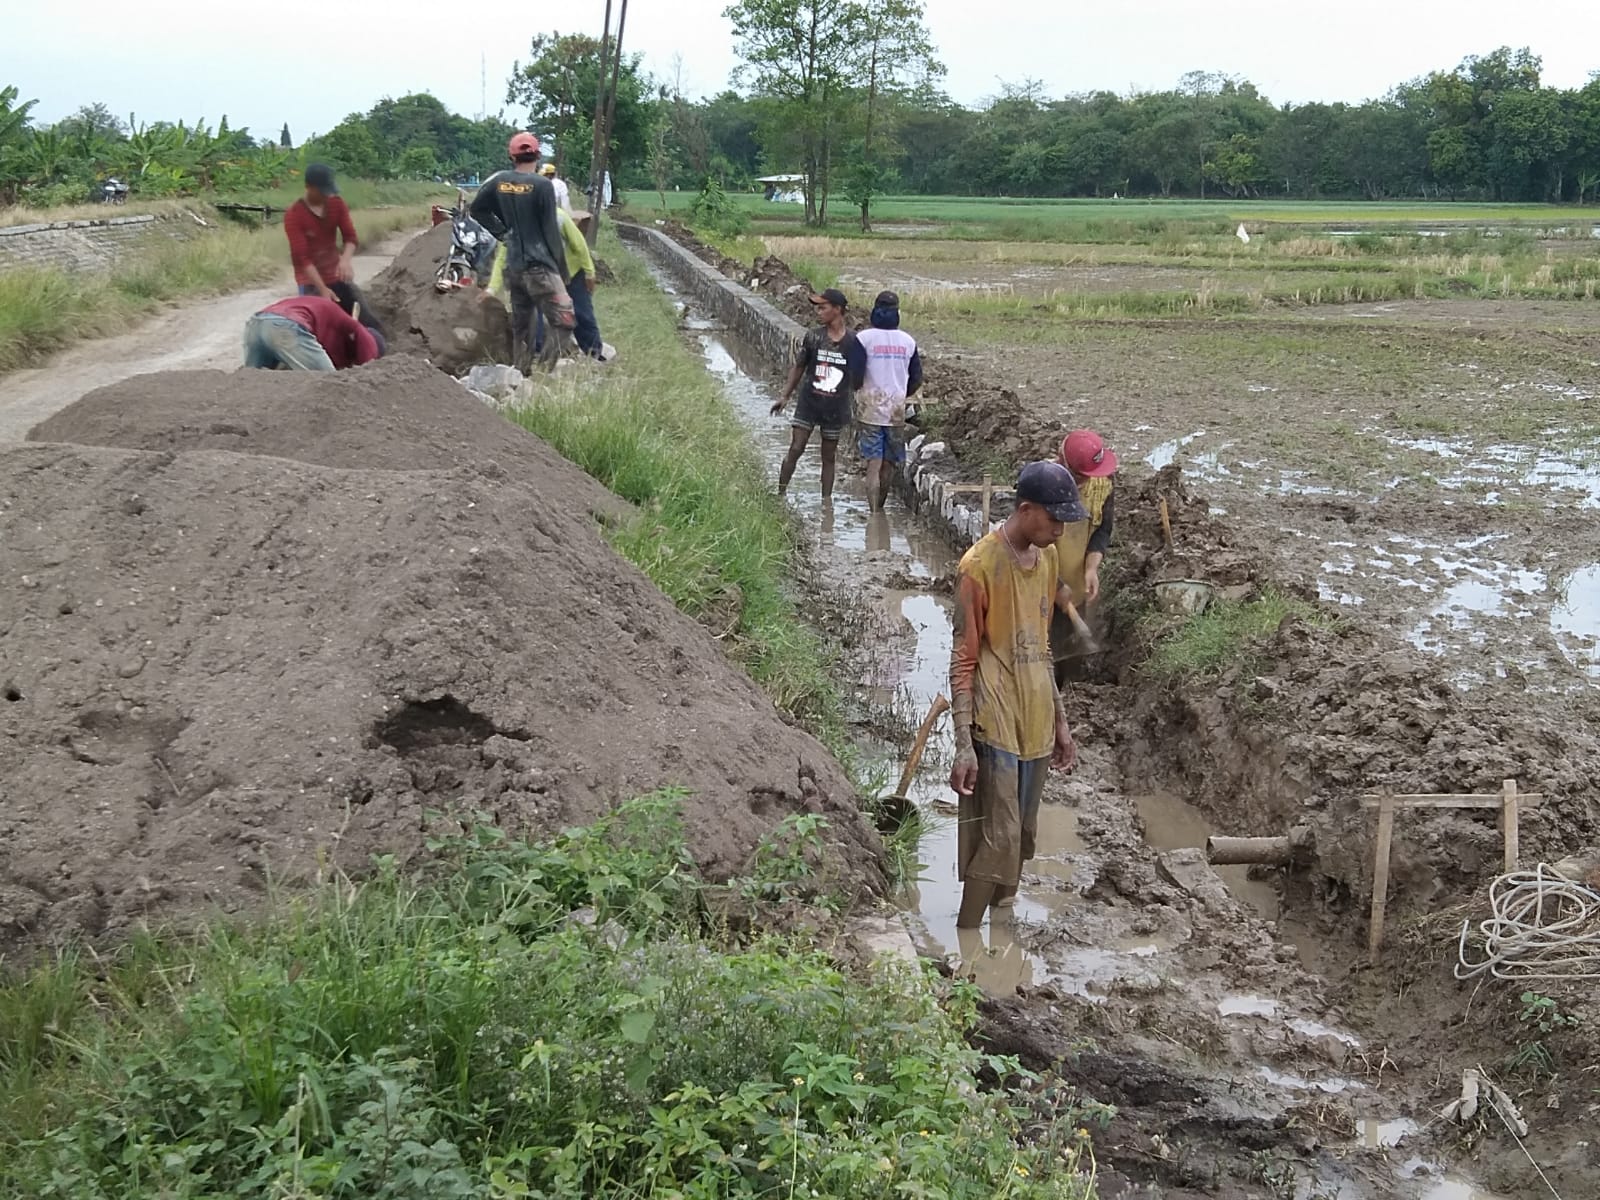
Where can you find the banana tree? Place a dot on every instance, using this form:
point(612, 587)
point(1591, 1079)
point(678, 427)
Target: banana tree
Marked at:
point(45, 156)
point(13, 131)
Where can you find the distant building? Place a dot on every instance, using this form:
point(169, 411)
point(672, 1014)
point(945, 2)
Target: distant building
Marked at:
point(784, 189)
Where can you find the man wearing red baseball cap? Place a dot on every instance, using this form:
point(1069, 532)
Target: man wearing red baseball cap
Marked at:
point(1084, 544)
point(519, 207)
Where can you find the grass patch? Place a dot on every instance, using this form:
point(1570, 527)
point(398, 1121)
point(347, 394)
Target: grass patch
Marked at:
point(656, 429)
point(464, 1034)
point(358, 193)
point(45, 309)
point(1228, 633)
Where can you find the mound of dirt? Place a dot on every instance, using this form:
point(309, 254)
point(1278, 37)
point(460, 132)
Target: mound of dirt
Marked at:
point(1323, 712)
point(220, 667)
point(452, 330)
point(397, 414)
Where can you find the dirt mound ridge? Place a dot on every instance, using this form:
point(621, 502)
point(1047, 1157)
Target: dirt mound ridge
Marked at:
point(398, 414)
point(452, 330)
point(218, 666)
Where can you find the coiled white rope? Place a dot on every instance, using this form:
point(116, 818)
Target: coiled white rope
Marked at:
point(1542, 925)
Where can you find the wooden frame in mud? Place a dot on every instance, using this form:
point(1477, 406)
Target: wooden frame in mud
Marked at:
point(1508, 800)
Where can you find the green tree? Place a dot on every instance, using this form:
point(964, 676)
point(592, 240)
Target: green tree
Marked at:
point(558, 87)
point(895, 50)
point(351, 147)
point(801, 57)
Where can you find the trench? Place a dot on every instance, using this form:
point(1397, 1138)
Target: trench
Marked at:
point(1072, 941)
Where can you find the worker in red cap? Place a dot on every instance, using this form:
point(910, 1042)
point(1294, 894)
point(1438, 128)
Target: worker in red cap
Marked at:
point(519, 207)
point(1084, 543)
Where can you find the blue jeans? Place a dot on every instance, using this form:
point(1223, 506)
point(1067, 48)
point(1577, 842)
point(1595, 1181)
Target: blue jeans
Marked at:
point(588, 329)
point(277, 343)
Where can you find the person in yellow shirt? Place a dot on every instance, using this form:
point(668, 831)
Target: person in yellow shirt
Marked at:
point(1010, 723)
point(1084, 543)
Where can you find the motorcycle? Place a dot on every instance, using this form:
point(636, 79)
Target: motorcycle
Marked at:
point(113, 191)
point(471, 251)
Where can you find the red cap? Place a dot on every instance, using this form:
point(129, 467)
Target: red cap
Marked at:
point(523, 143)
point(1083, 452)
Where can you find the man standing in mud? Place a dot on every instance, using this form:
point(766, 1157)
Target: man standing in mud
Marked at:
point(1010, 723)
point(519, 207)
point(828, 369)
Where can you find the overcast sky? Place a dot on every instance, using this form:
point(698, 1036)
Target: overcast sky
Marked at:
point(309, 64)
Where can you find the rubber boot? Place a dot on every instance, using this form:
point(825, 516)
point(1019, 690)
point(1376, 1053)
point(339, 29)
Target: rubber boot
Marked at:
point(976, 896)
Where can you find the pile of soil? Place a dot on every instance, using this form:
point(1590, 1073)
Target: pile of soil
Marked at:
point(455, 329)
point(1324, 712)
point(221, 666)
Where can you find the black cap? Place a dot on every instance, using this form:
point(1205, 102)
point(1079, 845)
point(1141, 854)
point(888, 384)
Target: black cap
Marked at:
point(831, 296)
point(1051, 486)
point(320, 176)
point(886, 300)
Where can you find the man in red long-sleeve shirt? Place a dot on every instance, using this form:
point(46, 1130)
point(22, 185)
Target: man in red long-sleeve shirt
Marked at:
point(308, 333)
point(314, 226)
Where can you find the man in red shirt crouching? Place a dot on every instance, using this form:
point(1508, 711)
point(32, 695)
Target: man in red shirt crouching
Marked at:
point(308, 333)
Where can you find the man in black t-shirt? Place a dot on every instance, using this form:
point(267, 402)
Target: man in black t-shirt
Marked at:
point(519, 207)
point(828, 369)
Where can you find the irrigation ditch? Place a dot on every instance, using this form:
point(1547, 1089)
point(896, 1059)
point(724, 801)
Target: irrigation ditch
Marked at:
point(1219, 1031)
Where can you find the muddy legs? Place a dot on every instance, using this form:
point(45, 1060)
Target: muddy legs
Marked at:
point(976, 897)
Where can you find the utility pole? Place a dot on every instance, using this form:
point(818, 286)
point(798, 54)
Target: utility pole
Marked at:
point(483, 85)
point(596, 161)
point(611, 116)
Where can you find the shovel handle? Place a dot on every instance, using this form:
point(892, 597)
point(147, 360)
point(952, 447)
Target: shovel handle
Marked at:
point(939, 708)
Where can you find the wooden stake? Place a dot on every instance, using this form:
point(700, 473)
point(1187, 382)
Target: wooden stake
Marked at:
point(1508, 821)
point(1166, 523)
point(1380, 875)
point(988, 494)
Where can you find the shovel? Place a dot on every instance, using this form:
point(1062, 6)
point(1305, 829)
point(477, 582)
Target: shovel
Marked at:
point(1081, 628)
point(899, 806)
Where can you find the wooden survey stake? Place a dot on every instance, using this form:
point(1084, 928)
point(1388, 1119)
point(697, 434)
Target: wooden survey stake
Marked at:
point(988, 496)
point(1508, 800)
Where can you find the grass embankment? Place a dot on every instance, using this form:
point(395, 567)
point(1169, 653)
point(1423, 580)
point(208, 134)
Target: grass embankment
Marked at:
point(657, 429)
point(526, 1021)
point(44, 309)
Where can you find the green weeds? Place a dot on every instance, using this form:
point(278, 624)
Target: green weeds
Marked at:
point(1227, 633)
point(525, 1021)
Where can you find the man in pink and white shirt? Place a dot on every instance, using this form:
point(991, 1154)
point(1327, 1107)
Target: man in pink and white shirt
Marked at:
point(894, 373)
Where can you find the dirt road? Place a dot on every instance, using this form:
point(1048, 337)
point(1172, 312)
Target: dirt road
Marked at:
point(196, 336)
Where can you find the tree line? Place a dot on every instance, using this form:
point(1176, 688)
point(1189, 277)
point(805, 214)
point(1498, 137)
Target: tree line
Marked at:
point(847, 92)
point(412, 137)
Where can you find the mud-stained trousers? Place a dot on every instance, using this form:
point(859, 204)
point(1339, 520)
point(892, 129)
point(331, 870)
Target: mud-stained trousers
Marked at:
point(543, 288)
point(997, 829)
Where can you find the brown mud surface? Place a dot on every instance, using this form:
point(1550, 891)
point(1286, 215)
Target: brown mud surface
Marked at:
point(1248, 1045)
point(224, 666)
point(453, 330)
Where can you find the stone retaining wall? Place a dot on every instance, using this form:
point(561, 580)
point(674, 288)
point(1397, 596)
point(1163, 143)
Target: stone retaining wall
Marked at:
point(928, 472)
point(89, 246)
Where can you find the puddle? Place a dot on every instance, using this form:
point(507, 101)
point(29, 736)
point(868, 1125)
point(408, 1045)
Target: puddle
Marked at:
point(1247, 1006)
point(1575, 620)
point(1380, 1135)
point(1174, 824)
point(1453, 1187)
point(1332, 1085)
point(1316, 1029)
point(1164, 454)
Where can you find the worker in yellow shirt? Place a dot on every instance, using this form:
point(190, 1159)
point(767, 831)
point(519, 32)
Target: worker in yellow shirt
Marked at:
point(1084, 543)
point(1010, 724)
point(580, 287)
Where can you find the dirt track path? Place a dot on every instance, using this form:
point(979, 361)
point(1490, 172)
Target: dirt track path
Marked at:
point(191, 337)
